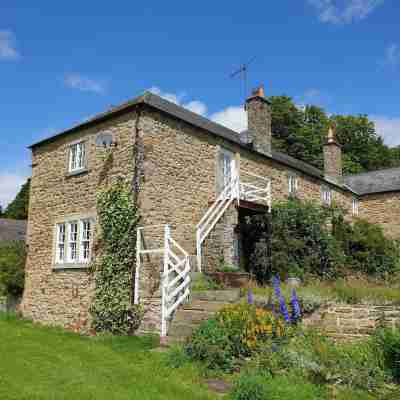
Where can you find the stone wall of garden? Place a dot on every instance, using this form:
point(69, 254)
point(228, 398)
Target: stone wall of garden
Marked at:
point(352, 322)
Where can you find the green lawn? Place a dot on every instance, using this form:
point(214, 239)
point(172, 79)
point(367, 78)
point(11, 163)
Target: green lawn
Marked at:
point(44, 363)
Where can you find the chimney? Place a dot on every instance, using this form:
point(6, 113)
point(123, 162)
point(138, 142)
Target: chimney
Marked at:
point(333, 158)
point(259, 121)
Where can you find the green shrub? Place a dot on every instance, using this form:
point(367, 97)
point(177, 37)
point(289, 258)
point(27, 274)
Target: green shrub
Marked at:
point(262, 387)
point(12, 268)
point(388, 343)
point(176, 357)
point(293, 238)
point(250, 387)
point(236, 332)
point(317, 359)
point(211, 345)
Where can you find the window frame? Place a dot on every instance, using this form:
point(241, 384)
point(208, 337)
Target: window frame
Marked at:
point(293, 184)
point(81, 155)
point(355, 205)
point(326, 195)
point(77, 244)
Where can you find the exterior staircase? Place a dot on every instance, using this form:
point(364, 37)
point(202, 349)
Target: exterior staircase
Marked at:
point(201, 306)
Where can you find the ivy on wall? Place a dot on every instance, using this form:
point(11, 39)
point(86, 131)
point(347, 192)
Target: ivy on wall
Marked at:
point(113, 310)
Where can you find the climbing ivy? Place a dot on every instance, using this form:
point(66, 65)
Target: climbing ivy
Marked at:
point(113, 310)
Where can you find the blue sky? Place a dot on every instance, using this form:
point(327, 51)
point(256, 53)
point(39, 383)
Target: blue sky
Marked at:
point(62, 62)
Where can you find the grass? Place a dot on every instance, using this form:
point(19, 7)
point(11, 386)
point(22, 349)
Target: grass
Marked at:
point(348, 292)
point(39, 363)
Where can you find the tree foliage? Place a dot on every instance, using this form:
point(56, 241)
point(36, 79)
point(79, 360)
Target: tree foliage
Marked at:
point(112, 309)
point(18, 208)
point(301, 133)
point(12, 268)
point(300, 238)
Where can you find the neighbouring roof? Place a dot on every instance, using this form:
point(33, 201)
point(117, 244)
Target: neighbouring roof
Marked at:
point(385, 180)
point(12, 230)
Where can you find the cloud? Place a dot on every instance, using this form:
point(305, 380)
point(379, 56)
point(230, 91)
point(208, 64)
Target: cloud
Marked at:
point(388, 128)
point(195, 106)
point(10, 184)
point(8, 49)
point(344, 11)
point(84, 84)
point(392, 55)
point(234, 117)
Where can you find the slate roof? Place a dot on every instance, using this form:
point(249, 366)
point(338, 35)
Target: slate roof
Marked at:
point(12, 230)
point(385, 180)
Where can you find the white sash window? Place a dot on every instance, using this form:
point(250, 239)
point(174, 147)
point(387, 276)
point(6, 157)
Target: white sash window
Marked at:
point(293, 184)
point(74, 241)
point(355, 206)
point(326, 196)
point(77, 155)
point(60, 255)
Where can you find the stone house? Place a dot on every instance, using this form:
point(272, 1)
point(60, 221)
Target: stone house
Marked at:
point(194, 181)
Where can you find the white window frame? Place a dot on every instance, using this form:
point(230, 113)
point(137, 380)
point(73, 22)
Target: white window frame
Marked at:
point(73, 242)
point(293, 184)
point(77, 156)
point(355, 206)
point(60, 243)
point(85, 240)
point(228, 166)
point(326, 196)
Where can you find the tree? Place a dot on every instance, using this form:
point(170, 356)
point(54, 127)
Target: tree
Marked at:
point(301, 133)
point(18, 208)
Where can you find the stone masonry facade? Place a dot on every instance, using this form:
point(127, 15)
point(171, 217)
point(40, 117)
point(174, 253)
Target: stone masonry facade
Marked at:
point(178, 178)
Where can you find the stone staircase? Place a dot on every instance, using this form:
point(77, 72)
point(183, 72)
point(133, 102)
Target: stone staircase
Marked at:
point(201, 306)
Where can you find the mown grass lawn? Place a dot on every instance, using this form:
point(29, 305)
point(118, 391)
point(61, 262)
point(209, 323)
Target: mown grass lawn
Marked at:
point(45, 363)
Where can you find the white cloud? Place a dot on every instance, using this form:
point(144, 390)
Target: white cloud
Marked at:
point(10, 184)
point(195, 106)
point(388, 128)
point(233, 117)
point(8, 49)
point(84, 84)
point(344, 11)
point(392, 55)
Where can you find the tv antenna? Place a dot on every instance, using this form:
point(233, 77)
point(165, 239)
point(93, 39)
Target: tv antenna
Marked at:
point(242, 74)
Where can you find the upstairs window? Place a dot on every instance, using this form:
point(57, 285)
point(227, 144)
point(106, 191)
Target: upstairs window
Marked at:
point(293, 185)
point(74, 241)
point(326, 196)
point(77, 155)
point(355, 206)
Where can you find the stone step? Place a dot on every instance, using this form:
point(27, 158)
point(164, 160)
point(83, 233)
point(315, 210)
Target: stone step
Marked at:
point(209, 306)
point(181, 330)
point(227, 296)
point(192, 315)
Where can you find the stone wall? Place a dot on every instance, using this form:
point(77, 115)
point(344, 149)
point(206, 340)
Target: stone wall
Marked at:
point(383, 209)
point(62, 296)
point(352, 322)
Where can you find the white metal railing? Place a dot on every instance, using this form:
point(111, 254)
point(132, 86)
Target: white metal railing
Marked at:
point(214, 213)
point(255, 188)
point(175, 277)
point(247, 186)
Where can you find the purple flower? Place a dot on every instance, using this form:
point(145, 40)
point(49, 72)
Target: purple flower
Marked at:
point(250, 297)
point(296, 309)
point(282, 303)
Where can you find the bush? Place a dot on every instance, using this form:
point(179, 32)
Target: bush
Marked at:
point(292, 239)
point(235, 332)
point(387, 342)
point(320, 361)
point(262, 387)
point(12, 268)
